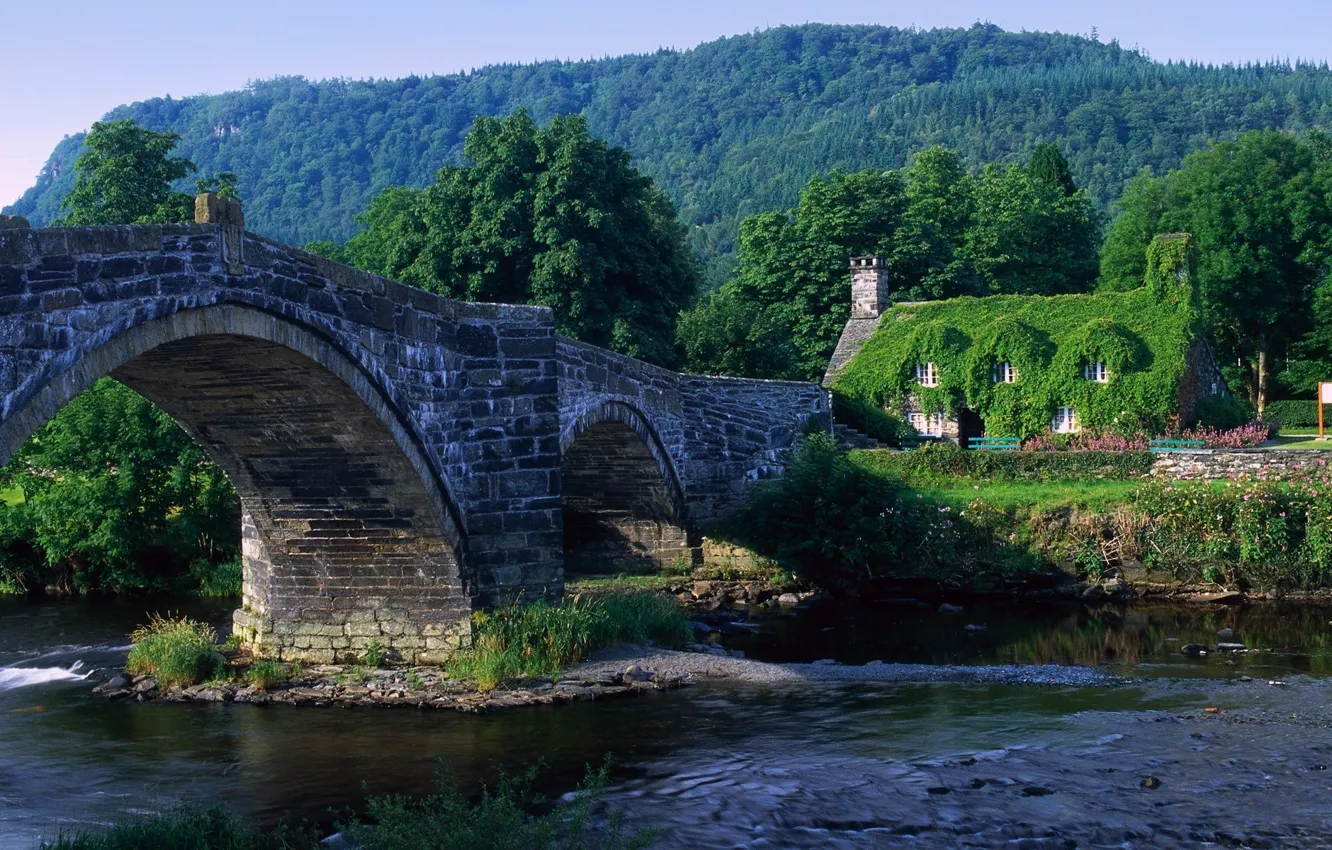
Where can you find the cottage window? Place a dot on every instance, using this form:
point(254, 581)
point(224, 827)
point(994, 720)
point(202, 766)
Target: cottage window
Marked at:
point(1065, 421)
point(930, 426)
point(1005, 373)
point(927, 375)
point(1096, 372)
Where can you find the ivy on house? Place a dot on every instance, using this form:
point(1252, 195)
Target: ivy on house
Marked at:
point(1142, 337)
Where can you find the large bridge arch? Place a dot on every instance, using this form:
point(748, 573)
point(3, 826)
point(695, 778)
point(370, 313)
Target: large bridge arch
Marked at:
point(621, 496)
point(349, 535)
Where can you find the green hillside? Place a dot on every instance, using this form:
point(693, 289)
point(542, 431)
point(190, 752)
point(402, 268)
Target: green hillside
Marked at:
point(732, 127)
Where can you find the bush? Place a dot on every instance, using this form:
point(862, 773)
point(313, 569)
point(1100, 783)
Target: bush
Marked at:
point(266, 674)
point(506, 817)
point(175, 651)
point(224, 579)
point(539, 639)
point(501, 819)
point(1225, 412)
point(1294, 413)
point(943, 463)
point(187, 827)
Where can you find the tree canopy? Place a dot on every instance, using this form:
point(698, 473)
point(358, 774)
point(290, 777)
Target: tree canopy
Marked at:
point(1258, 210)
point(732, 127)
point(115, 496)
point(546, 216)
point(942, 232)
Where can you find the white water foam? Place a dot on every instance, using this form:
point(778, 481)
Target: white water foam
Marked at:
point(12, 678)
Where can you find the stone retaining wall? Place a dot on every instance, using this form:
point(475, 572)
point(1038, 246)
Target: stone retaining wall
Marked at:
point(1218, 464)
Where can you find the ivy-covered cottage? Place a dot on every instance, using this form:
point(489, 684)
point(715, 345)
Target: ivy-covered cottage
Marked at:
point(1012, 365)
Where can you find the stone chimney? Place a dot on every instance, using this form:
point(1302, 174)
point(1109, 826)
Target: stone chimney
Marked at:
point(869, 287)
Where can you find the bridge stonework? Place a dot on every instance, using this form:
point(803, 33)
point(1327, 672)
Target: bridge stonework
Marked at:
point(401, 458)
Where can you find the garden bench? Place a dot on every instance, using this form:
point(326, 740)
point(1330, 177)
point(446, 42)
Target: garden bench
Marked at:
point(915, 441)
point(995, 444)
point(1177, 445)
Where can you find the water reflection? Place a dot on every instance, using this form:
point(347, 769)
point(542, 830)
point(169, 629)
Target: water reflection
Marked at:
point(1146, 638)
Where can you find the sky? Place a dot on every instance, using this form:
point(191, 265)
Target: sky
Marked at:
point(66, 64)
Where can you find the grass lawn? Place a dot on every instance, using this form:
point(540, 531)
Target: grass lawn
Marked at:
point(1042, 495)
point(11, 497)
point(1297, 440)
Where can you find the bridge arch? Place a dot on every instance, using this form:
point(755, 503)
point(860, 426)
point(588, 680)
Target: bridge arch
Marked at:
point(350, 535)
point(622, 500)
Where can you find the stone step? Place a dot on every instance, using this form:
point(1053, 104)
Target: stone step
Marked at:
point(849, 438)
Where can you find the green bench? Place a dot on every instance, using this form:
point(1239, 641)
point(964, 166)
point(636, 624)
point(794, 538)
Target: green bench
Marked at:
point(1177, 445)
point(915, 441)
point(995, 444)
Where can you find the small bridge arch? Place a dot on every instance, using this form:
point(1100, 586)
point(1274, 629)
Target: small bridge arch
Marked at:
point(622, 501)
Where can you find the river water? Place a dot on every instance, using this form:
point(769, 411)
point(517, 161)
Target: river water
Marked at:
point(731, 765)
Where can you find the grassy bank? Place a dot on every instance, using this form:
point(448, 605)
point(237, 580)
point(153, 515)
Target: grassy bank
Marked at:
point(11, 496)
point(526, 641)
point(989, 520)
point(501, 818)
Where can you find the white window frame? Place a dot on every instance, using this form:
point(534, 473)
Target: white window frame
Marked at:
point(1005, 373)
point(929, 426)
point(1065, 421)
point(927, 374)
point(1096, 372)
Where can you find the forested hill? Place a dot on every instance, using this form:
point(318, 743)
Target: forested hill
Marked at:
point(732, 127)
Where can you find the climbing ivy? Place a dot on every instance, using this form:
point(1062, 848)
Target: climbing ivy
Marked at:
point(1141, 336)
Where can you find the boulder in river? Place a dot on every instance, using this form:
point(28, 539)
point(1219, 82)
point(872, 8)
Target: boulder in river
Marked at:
point(948, 608)
point(1193, 650)
point(1151, 783)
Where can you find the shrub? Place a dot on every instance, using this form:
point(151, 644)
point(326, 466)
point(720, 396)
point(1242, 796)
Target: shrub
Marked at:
point(500, 819)
point(943, 463)
point(1295, 413)
point(186, 826)
point(266, 674)
point(224, 579)
point(175, 651)
point(1226, 411)
point(374, 653)
point(1242, 437)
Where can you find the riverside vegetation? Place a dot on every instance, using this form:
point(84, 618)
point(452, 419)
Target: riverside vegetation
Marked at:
point(508, 816)
point(509, 644)
point(992, 521)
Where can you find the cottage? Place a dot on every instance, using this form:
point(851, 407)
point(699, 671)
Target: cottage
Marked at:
point(1013, 365)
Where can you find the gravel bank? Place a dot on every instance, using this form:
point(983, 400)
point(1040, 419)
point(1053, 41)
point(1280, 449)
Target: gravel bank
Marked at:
point(670, 664)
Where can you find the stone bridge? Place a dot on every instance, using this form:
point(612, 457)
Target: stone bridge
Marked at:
point(401, 458)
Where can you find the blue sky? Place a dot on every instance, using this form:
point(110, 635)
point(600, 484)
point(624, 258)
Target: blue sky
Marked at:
point(63, 64)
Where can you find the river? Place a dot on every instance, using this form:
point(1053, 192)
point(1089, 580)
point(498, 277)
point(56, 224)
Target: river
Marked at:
point(731, 765)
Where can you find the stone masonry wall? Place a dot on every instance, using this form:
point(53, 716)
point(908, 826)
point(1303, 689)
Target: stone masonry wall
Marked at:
point(713, 436)
point(465, 392)
point(1220, 464)
point(398, 455)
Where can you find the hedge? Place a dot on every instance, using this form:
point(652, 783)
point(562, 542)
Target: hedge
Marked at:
point(1294, 413)
point(945, 462)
